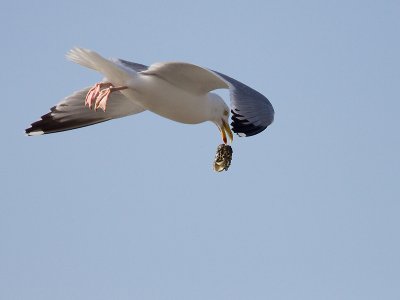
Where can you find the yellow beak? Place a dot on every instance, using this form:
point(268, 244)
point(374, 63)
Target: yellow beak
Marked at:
point(225, 129)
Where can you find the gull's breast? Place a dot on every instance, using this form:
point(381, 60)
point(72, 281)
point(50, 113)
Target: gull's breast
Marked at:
point(160, 97)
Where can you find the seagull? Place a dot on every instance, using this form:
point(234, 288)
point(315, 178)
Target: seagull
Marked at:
point(178, 91)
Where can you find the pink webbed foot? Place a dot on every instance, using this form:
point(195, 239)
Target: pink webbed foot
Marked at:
point(102, 98)
point(99, 94)
point(94, 93)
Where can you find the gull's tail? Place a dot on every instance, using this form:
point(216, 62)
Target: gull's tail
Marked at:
point(85, 57)
point(90, 59)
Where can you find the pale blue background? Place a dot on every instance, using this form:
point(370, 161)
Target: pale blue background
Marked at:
point(131, 209)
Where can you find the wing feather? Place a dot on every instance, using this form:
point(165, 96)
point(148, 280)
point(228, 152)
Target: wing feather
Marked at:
point(251, 111)
point(71, 113)
point(186, 76)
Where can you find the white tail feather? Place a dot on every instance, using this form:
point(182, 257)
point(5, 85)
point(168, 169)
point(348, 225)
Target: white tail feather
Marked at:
point(92, 60)
point(84, 57)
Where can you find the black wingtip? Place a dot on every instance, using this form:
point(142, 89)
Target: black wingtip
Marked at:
point(243, 127)
point(48, 124)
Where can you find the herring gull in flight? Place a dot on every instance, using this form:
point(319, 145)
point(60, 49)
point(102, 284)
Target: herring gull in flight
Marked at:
point(175, 90)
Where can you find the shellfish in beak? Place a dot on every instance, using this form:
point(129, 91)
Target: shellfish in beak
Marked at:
point(223, 158)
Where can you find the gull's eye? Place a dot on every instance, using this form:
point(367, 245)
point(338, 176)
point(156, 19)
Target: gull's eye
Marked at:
point(226, 113)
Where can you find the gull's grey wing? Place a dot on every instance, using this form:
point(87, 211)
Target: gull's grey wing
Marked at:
point(188, 77)
point(71, 113)
point(251, 111)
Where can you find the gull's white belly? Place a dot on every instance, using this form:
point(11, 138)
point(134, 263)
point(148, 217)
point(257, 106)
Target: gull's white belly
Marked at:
point(162, 98)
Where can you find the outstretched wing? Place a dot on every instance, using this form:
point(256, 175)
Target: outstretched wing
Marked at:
point(188, 77)
point(251, 111)
point(71, 113)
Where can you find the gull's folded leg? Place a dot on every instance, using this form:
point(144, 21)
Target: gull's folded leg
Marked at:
point(102, 97)
point(94, 92)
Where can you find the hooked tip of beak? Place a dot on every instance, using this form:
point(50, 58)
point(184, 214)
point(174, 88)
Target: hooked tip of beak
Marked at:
point(224, 137)
point(225, 129)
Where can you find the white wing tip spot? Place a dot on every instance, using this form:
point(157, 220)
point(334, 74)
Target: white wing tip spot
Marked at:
point(34, 133)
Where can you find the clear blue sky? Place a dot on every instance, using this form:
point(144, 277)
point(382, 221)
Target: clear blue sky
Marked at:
point(131, 209)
